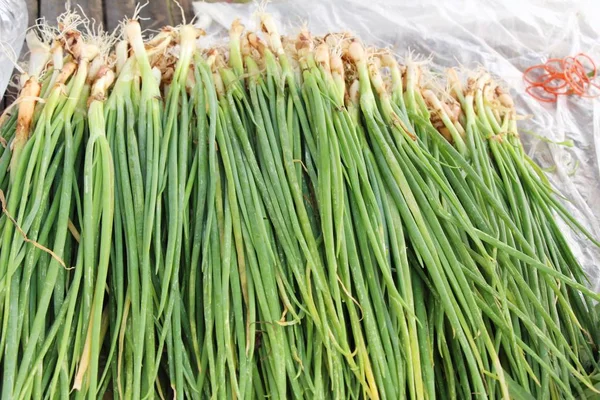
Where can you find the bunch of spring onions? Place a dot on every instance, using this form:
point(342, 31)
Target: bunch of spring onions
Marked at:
point(282, 217)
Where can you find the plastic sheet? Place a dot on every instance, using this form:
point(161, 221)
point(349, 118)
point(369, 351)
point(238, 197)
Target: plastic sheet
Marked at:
point(502, 37)
point(13, 24)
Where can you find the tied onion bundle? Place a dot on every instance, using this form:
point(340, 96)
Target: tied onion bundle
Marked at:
point(291, 217)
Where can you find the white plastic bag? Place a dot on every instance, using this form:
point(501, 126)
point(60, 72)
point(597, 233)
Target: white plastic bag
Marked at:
point(505, 38)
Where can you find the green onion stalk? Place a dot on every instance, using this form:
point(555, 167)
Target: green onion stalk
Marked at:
point(262, 256)
point(173, 170)
point(420, 222)
point(331, 82)
point(149, 134)
point(198, 197)
point(532, 200)
point(332, 212)
point(546, 288)
point(98, 212)
point(52, 147)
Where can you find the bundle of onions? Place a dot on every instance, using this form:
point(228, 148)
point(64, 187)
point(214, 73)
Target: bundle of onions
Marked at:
point(292, 217)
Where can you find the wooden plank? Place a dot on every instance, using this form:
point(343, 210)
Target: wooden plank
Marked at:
point(154, 15)
point(51, 9)
point(117, 10)
point(33, 11)
point(10, 94)
point(175, 10)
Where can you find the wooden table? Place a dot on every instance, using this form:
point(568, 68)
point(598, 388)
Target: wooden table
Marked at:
point(111, 12)
point(155, 15)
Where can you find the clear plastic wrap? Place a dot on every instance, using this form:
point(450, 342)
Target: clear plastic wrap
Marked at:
point(502, 37)
point(13, 23)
